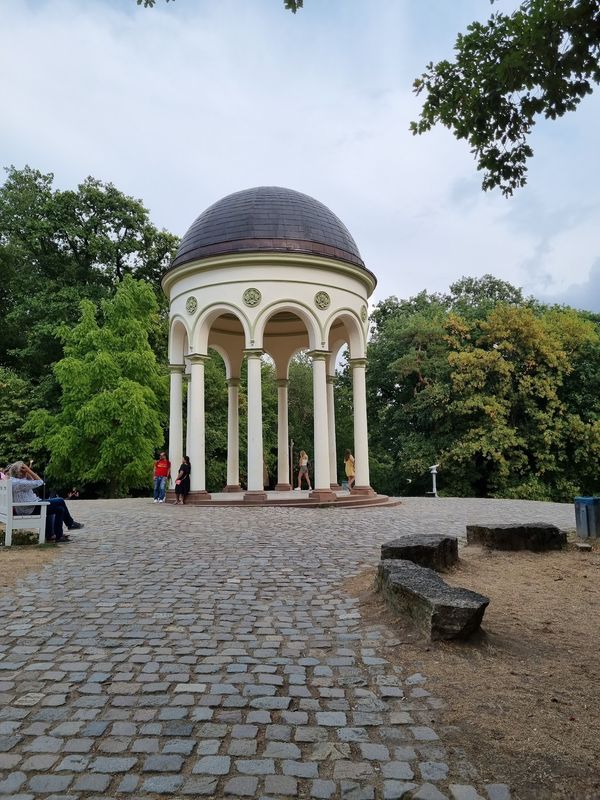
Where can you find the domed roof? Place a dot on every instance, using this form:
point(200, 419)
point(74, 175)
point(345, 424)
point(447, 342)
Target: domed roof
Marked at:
point(268, 218)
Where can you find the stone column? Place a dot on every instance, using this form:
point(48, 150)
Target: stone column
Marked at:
point(197, 431)
point(283, 452)
point(361, 441)
point(188, 426)
point(333, 481)
point(255, 492)
point(233, 436)
point(176, 418)
point(321, 489)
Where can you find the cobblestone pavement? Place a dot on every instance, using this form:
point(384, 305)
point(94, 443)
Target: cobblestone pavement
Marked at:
point(212, 652)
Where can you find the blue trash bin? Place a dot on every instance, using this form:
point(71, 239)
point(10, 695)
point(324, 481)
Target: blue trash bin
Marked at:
point(587, 517)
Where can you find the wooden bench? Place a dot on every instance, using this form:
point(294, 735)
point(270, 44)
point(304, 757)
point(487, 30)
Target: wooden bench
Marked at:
point(14, 522)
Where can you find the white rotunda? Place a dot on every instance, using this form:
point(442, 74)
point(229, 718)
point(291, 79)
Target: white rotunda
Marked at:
point(267, 271)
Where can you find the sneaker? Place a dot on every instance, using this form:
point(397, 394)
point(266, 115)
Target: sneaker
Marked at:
point(161, 501)
point(75, 526)
point(297, 489)
point(155, 501)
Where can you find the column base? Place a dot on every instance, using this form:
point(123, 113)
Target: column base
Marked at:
point(323, 496)
point(198, 495)
point(283, 487)
point(363, 491)
point(232, 487)
point(255, 497)
point(335, 487)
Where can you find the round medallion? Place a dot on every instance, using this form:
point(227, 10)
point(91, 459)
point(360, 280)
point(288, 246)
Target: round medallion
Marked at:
point(322, 300)
point(191, 305)
point(251, 297)
point(363, 313)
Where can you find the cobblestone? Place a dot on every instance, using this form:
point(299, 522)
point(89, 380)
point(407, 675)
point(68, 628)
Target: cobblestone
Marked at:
point(281, 785)
point(242, 787)
point(203, 652)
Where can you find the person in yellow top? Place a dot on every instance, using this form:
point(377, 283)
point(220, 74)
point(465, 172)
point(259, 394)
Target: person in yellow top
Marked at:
point(349, 465)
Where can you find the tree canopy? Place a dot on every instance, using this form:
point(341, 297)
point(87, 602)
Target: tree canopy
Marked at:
point(541, 60)
point(486, 388)
point(113, 396)
point(59, 247)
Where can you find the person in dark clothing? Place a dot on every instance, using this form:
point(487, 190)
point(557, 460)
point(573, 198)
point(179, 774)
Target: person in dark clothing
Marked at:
point(182, 482)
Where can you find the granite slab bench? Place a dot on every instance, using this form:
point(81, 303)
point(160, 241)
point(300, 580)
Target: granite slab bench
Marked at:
point(536, 536)
point(433, 550)
point(439, 610)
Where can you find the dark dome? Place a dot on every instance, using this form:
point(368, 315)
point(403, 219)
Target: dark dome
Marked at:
point(268, 218)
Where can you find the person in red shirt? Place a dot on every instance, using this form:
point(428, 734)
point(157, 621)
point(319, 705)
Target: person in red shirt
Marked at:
point(162, 473)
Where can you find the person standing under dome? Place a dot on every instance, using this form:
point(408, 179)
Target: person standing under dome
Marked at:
point(303, 470)
point(349, 467)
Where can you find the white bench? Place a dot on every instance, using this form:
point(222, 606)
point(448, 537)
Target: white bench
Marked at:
point(14, 522)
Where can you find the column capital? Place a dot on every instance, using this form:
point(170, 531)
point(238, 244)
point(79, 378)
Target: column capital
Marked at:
point(198, 358)
point(319, 355)
point(233, 381)
point(175, 368)
point(358, 362)
point(283, 383)
point(254, 352)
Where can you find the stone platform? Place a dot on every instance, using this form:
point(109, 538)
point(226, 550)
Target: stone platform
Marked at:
point(291, 499)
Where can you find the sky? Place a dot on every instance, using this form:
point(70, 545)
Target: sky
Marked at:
point(184, 103)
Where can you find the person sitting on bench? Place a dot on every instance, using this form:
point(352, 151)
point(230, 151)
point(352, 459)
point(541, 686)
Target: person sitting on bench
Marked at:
point(24, 481)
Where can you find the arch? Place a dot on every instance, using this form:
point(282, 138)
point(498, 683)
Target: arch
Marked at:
point(355, 332)
point(203, 324)
point(179, 337)
point(316, 336)
point(224, 355)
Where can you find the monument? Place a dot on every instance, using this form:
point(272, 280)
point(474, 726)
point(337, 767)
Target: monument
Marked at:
point(267, 270)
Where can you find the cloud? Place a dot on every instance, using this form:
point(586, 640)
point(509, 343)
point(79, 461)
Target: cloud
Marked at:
point(585, 295)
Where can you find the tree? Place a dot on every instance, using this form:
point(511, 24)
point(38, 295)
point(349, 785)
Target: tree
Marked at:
point(113, 396)
point(215, 408)
point(59, 247)
point(475, 298)
point(502, 392)
point(300, 403)
point(408, 389)
point(15, 394)
point(515, 434)
point(540, 60)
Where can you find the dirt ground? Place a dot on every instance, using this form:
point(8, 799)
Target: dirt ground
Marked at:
point(18, 560)
point(525, 695)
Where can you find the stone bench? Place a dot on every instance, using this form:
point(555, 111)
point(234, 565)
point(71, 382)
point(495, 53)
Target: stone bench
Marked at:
point(433, 550)
point(440, 610)
point(536, 536)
